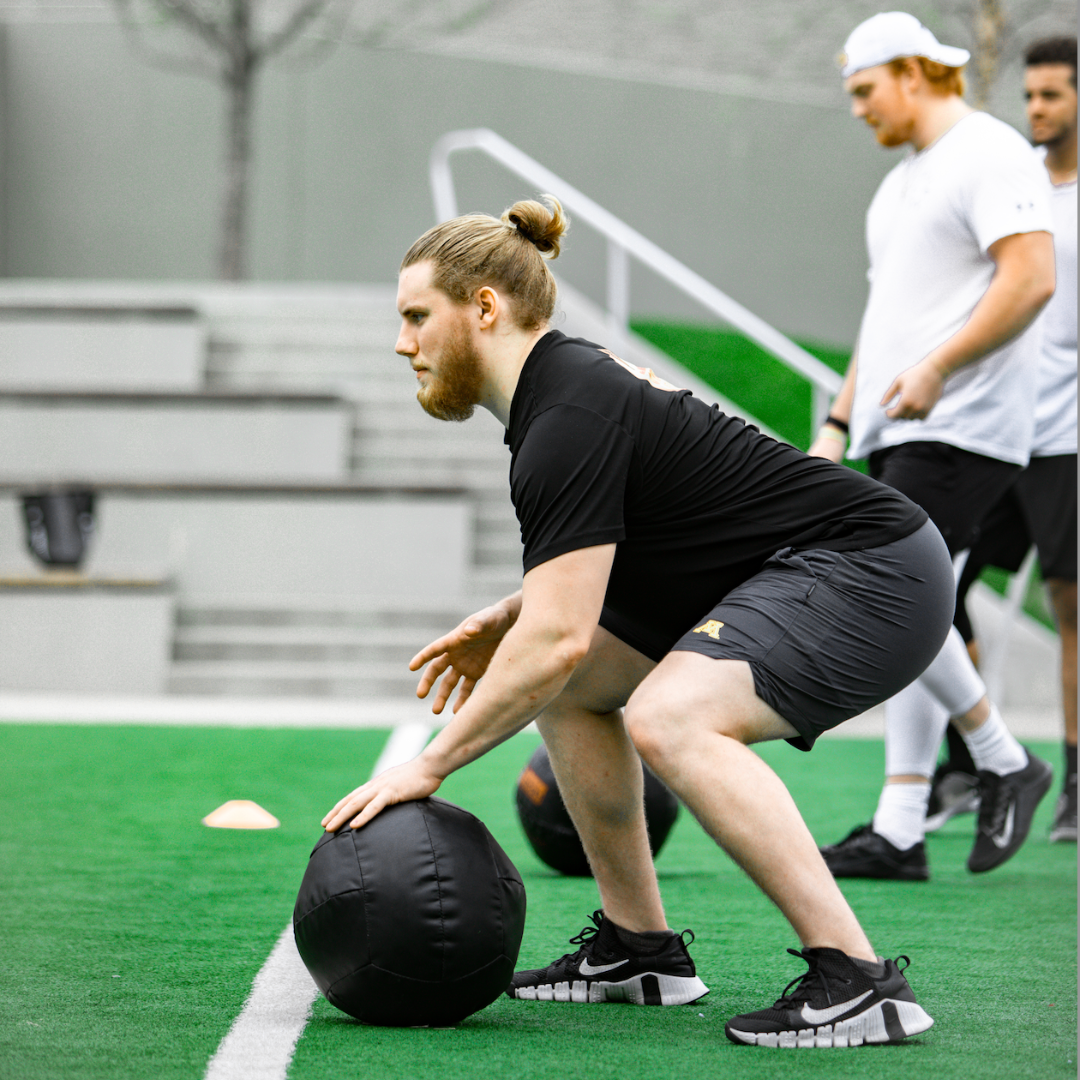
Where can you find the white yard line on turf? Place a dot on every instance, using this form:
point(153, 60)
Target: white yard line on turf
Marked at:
point(262, 1039)
point(261, 1042)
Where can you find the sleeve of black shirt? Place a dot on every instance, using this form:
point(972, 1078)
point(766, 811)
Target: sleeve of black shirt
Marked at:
point(569, 481)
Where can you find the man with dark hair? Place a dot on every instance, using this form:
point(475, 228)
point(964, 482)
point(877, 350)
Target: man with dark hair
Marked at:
point(1040, 508)
point(940, 397)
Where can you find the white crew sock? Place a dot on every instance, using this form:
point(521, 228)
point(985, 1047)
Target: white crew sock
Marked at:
point(993, 747)
point(901, 813)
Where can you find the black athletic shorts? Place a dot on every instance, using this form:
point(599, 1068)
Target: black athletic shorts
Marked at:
point(1039, 509)
point(829, 634)
point(955, 487)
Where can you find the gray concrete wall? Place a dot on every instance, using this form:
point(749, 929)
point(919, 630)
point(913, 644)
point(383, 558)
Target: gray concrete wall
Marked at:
point(114, 171)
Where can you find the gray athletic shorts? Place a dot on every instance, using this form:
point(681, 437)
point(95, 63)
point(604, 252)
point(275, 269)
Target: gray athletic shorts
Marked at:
point(829, 634)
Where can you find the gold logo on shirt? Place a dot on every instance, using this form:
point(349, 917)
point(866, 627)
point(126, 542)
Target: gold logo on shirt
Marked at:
point(643, 373)
point(712, 628)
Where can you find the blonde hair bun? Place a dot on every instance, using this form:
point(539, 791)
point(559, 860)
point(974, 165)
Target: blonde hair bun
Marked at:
point(542, 225)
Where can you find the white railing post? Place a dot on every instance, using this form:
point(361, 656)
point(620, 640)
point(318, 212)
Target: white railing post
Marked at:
point(618, 287)
point(442, 179)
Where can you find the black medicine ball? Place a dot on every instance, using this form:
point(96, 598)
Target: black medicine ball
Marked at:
point(550, 831)
point(415, 919)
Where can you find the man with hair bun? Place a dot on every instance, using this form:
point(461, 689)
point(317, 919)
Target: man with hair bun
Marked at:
point(940, 396)
point(691, 587)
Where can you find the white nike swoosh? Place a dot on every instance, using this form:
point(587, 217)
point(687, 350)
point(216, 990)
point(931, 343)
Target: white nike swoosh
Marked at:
point(1004, 838)
point(823, 1016)
point(587, 968)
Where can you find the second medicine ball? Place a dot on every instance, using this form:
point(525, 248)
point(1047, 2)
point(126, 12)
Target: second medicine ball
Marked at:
point(414, 920)
point(547, 823)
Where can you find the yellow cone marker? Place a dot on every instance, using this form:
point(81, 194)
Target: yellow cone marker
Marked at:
point(241, 814)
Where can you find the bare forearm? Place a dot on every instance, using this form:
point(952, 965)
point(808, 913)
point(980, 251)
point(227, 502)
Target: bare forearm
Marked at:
point(528, 671)
point(1006, 310)
point(831, 440)
point(512, 605)
point(841, 406)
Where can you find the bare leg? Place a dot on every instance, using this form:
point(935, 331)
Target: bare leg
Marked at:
point(600, 779)
point(1063, 599)
point(692, 720)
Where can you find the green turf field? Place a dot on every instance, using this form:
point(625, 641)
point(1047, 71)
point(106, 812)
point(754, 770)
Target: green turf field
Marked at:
point(132, 933)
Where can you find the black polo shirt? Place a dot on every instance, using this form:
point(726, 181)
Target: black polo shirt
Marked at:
point(695, 500)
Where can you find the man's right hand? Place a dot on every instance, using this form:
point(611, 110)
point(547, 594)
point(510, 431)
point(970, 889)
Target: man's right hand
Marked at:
point(462, 656)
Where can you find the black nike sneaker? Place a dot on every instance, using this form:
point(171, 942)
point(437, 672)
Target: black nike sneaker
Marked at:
point(835, 1003)
point(1007, 805)
point(865, 853)
point(603, 969)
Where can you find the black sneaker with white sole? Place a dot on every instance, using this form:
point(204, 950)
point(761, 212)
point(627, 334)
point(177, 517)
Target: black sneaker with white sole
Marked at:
point(1007, 805)
point(603, 969)
point(867, 854)
point(836, 1003)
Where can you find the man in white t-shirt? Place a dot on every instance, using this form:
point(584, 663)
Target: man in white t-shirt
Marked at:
point(940, 396)
point(1040, 508)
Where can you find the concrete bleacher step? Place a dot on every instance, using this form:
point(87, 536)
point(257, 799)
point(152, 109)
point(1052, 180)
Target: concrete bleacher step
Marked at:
point(100, 346)
point(300, 651)
point(491, 583)
point(63, 437)
point(312, 644)
point(234, 681)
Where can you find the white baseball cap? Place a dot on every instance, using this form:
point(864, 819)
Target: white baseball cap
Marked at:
point(891, 35)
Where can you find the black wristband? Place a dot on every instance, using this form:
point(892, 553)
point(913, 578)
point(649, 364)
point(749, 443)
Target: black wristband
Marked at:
point(840, 425)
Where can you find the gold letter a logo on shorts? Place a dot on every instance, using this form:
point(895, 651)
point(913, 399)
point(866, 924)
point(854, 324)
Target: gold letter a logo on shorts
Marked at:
point(712, 628)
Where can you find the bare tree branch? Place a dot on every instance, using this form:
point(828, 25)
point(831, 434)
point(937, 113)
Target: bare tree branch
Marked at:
point(305, 14)
point(312, 46)
point(187, 14)
point(989, 33)
point(160, 58)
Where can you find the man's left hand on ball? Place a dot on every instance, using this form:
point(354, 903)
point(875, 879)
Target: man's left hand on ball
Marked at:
point(403, 783)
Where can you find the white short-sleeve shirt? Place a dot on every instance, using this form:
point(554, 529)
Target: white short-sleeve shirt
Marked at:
point(1055, 409)
point(928, 230)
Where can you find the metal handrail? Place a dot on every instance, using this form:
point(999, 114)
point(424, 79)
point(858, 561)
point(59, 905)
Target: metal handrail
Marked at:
point(623, 242)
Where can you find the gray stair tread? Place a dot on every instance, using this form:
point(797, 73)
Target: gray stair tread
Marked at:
point(292, 669)
point(382, 637)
